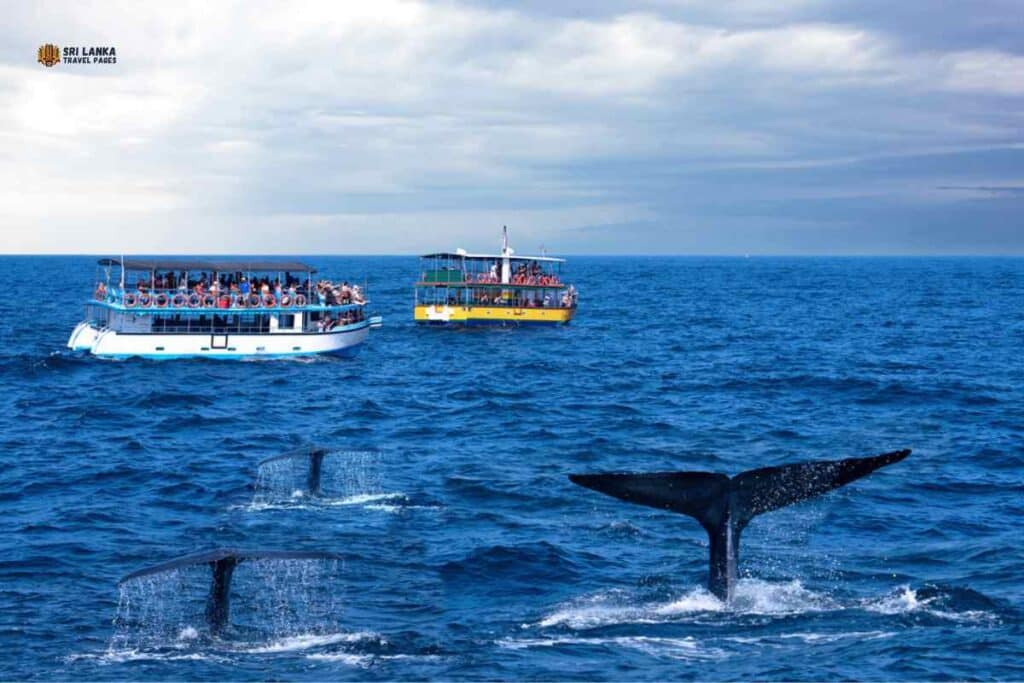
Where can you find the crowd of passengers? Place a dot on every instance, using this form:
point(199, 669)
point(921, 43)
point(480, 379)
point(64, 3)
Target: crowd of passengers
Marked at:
point(327, 323)
point(523, 274)
point(523, 299)
point(239, 287)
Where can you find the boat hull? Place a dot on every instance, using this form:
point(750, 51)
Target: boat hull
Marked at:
point(471, 316)
point(109, 343)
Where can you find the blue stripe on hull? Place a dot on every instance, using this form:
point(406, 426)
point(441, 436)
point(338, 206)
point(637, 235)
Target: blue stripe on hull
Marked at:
point(347, 352)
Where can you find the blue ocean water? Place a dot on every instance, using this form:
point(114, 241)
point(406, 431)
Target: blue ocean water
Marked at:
point(466, 553)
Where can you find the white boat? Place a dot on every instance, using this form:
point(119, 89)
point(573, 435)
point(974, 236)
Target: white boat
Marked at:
point(212, 309)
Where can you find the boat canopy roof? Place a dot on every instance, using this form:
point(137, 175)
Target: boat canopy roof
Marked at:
point(211, 266)
point(492, 257)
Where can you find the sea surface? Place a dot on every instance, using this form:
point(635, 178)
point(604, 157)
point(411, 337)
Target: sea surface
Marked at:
point(465, 552)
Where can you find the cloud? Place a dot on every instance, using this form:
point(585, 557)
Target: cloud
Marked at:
point(320, 117)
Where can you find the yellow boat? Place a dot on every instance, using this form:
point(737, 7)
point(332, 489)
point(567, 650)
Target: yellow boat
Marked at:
point(457, 288)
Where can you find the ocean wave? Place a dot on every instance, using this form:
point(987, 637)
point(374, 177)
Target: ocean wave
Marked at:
point(752, 597)
point(685, 649)
point(943, 602)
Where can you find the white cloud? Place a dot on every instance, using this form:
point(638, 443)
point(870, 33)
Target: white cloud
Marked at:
point(985, 71)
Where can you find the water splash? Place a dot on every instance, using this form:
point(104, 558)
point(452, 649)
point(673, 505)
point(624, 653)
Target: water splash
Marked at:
point(272, 600)
point(281, 598)
point(344, 475)
point(157, 611)
point(759, 598)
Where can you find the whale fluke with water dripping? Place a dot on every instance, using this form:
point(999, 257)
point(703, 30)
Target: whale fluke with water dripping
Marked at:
point(222, 562)
point(725, 505)
point(315, 455)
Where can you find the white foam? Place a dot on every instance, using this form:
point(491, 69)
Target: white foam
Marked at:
point(133, 655)
point(675, 648)
point(812, 638)
point(753, 596)
point(362, 498)
point(300, 501)
point(188, 633)
point(905, 600)
point(362, 661)
point(365, 661)
point(307, 641)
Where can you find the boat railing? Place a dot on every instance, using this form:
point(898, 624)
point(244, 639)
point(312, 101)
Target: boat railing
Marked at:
point(503, 303)
point(183, 300)
point(486, 279)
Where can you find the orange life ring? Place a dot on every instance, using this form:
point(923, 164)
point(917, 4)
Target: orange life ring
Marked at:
point(300, 300)
point(286, 301)
point(254, 300)
point(130, 300)
point(161, 300)
point(178, 300)
point(194, 300)
point(209, 301)
point(145, 300)
point(269, 300)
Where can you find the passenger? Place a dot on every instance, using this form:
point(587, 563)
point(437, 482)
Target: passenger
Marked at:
point(264, 287)
point(244, 287)
point(101, 292)
point(494, 272)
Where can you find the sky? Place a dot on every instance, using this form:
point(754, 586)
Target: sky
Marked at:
point(677, 127)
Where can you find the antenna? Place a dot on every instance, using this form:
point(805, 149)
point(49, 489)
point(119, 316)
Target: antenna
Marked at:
point(504, 238)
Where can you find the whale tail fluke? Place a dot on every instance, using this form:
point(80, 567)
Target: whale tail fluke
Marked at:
point(222, 562)
point(724, 505)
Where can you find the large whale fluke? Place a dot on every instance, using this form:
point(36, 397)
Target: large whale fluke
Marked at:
point(315, 454)
point(222, 562)
point(724, 506)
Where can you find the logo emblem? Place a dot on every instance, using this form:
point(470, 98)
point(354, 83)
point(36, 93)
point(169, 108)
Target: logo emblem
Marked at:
point(49, 55)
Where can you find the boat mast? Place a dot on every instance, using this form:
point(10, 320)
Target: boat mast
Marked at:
point(506, 253)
